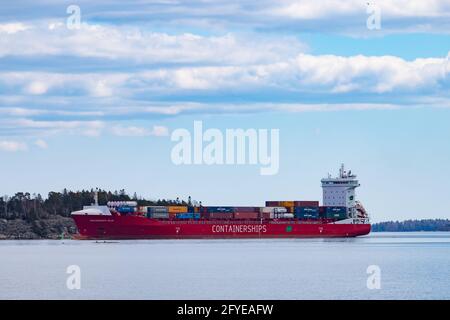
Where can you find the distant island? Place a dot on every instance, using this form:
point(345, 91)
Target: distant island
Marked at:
point(30, 216)
point(412, 225)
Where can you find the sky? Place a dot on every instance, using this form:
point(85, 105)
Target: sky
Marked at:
point(365, 83)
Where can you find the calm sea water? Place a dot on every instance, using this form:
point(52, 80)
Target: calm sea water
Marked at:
point(412, 265)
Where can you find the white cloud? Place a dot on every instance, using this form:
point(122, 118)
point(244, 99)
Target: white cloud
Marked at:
point(137, 65)
point(328, 74)
point(370, 74)
point(101, 89)
point(130, 131)
point(160, 131)
point(309, 73)
point(12, 146)
point(133, 131)
point(337, 10)
point(39, 83)
point(21, 112)
point(298, 15)
point(135, 44)
point(41, 144)
point(30, 112)
point(37, 88)
point(86, 128)
point(316, 9)
point(28, 123)
point(12, 28)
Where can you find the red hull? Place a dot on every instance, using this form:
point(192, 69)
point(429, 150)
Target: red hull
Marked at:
point(136, 227)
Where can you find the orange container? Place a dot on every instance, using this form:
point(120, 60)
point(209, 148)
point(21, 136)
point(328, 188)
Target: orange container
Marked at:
point(286, 203)
point(177, 209)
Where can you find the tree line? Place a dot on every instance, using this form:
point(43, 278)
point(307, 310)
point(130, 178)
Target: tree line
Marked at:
point(412, 225)
point(30, 207)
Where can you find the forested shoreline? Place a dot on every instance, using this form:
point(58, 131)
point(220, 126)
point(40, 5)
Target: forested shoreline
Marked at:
point(30, 216)
point(412, 225)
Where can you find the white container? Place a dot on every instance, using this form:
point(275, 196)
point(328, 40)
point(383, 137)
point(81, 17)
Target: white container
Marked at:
point(273, 209)
point(121, 204)
point(282, 216)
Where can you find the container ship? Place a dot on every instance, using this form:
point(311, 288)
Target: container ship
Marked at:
point(340, 215)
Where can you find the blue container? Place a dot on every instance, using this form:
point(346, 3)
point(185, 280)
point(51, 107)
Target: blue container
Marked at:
point(335, 209)
point(310, 210)
point(159, 215)
point(336, 212)
point(306, 212)
point(125, 209)
point(221, 209)
point(157, 209)
point(188, 216)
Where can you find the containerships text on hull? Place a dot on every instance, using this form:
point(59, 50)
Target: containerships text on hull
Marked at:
point(339, 216)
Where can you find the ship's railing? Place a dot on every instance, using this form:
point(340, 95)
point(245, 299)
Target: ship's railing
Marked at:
point(361, 220)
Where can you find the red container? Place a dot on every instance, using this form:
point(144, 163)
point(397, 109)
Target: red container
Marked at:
point(265, 215)
point(245, 215)
point(221, 215)
point(322, 211)
point(306, 203)
point(247, 209)
point(273, 203)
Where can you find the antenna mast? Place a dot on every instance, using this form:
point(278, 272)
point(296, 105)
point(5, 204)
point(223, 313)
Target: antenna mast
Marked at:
point(96, 197)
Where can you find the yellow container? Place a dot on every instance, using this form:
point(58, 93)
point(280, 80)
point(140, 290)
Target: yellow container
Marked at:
point(287, 203)
point(177, 209)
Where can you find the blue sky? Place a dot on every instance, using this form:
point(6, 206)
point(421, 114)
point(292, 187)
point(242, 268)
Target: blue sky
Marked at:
point(94, 106)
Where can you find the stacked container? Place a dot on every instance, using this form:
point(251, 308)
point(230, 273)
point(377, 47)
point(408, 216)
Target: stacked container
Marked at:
point(177, 209)
point(220, 209)
point(306, 213)
point(289, 205)
point(322, 212)
point(217, 212)
point(157, 212)
point(306, 210)
point(188, 216)
point(219, 215)
point(245, 215)
point(306, 203)
point(336, 213)
point(142, 209)
point(125, 209)
point(266, 212)
point(274, 212)
point(283, 215)
point(246, 209)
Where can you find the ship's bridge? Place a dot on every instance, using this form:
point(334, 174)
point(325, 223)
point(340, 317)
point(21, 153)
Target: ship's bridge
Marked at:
point(340, 191)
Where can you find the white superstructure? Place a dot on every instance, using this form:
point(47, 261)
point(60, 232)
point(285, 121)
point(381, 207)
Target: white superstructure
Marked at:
point(94, 209)
point(340, 191)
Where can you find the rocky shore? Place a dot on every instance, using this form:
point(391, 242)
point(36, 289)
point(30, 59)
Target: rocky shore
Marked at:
point(56, 227)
